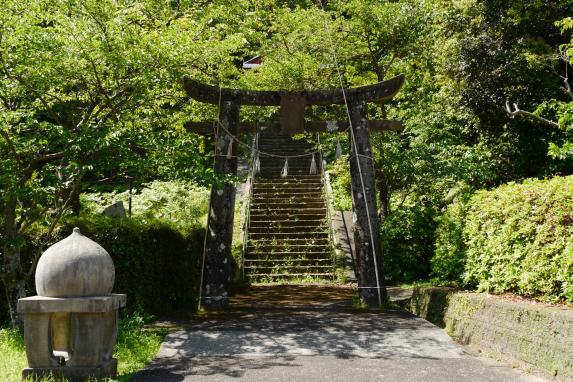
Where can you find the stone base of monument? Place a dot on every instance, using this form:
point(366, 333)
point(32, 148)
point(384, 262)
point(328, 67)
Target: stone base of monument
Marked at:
point(74, 373)
point(71, 337)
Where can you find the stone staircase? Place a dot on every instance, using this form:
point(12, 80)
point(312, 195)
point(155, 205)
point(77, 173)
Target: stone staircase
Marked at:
point(288, 234)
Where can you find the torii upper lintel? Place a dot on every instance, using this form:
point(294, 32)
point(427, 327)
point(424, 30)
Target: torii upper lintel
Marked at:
point(382, 91)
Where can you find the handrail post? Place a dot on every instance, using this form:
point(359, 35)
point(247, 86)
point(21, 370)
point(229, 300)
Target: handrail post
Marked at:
point(326, 196)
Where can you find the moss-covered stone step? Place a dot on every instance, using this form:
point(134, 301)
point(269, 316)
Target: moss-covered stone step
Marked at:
point(291, 187)
point(300, 261)
point(313, 234)
point(287, 223)
point(278, 255)
point(289, 269)
point(271, 211)
point(313, 179)
point(286, 230)
point(290, 276)
point(276, 197)
point(289, 204)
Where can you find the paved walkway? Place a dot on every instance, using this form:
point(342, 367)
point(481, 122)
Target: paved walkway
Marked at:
point(270, 335)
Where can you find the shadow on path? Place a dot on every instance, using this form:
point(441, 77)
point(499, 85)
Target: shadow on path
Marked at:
point(269, 335)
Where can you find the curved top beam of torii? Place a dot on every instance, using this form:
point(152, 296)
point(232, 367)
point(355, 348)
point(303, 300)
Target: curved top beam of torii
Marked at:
point(384, 90)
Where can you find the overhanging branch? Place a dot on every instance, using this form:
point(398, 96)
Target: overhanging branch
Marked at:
point(514, 111)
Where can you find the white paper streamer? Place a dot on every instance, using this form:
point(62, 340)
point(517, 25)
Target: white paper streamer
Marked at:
point(338, 149)
point(257, 164)
point(230, 149)
point(312, 166)
point(331, 126)
point(284, 172)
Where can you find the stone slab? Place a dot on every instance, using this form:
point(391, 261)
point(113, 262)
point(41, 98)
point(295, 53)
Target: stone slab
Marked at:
point(74, 373)
point(39, 304)
point(344, 241)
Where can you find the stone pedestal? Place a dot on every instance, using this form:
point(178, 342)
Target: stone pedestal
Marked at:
point(71, 337)
point(70, 327)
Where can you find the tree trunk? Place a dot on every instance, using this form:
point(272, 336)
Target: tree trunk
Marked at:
point(217, 266)
point(75, 200)
point(366, 229)
point(12, 274)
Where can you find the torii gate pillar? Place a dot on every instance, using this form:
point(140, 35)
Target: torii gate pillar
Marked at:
point(369, 259)
point(219, 236)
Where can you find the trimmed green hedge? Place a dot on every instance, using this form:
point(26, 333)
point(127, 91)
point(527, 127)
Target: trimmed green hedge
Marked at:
point(516, 238)
point(156, 265)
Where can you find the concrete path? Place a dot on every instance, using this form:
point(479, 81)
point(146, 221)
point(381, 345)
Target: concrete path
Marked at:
point(325, 341)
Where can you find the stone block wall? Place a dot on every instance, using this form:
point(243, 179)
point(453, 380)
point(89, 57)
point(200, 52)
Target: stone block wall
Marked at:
point(532, 335)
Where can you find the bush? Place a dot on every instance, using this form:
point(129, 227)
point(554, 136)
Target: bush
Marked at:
point(176, 201)
point(408, 242)
point(516, 238)
point(341, 186)
point(156, 265)
point(449, 258)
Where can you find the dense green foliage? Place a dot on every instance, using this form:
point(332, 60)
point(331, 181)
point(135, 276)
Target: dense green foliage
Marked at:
point(515, 238)
point(407, 239)
point(340, 183)
point(181, 203)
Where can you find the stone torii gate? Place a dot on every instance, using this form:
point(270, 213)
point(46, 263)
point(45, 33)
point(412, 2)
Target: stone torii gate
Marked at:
point(217, 255)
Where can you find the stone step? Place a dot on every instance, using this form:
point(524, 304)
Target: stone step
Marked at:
point(285, 199)
point(295, 178)
point(274, 210)
point(276, 173)
point(314, 180)
point(286, 217)
point(313, 234)
point(317, 261)
point(289, 269)
point(280, 151)
point(287, 223)
point(285, 196)
point(309, 190)
point(289, 277)
point(286, 230)
point(299, 156)
point(290, 204)
point(312, 256)
point(264, 196)
point(289, 241)
point(278, 248)
point(289, 213)
point(286, 187)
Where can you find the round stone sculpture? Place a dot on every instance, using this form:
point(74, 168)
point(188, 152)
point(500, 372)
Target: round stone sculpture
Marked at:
point(75, 267)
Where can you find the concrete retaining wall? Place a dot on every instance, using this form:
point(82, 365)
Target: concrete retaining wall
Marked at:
point(533, 336)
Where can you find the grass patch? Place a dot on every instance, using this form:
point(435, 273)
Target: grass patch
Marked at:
point(136, 346)
point(12, 356)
